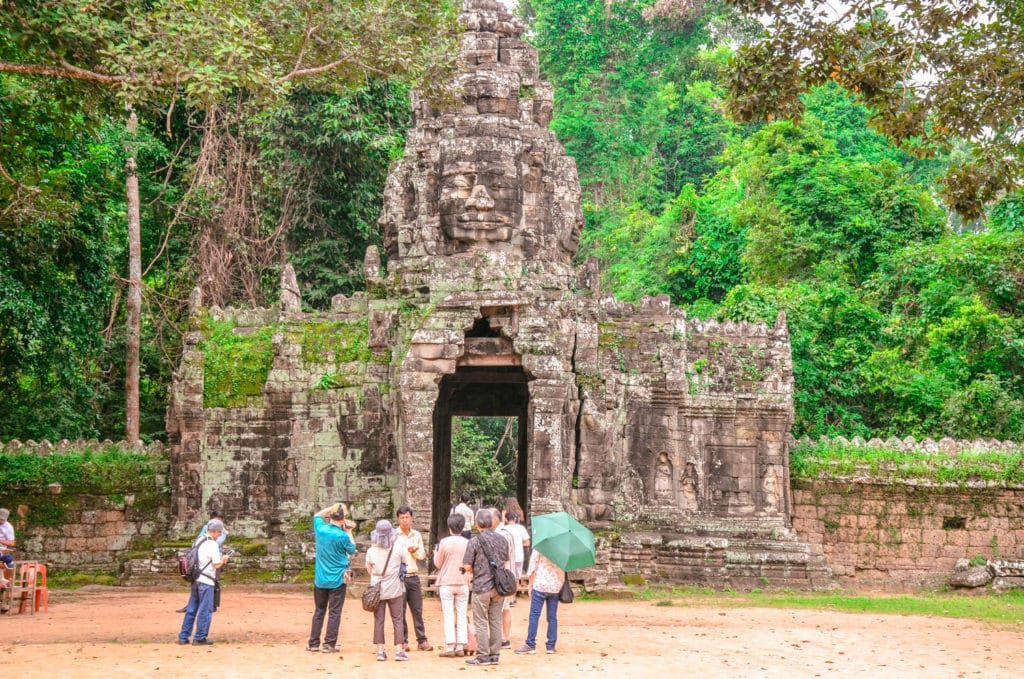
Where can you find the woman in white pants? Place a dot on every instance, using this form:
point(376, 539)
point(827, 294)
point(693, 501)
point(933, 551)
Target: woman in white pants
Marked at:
point(453, 587)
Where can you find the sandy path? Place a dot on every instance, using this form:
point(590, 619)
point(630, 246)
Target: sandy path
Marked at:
point(262, 633)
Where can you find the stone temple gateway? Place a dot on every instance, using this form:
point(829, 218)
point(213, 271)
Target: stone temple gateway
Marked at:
point(667, 435)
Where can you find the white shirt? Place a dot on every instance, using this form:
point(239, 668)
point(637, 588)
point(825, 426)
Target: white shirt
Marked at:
point(209, 554)
point(467, 513)
point(519, 536)
point(6, 531)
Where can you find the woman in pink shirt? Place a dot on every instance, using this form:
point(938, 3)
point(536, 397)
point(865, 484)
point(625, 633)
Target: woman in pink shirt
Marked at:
point(453, 587)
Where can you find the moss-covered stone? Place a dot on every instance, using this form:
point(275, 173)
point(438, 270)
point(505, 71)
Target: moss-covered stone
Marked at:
point(236, 363)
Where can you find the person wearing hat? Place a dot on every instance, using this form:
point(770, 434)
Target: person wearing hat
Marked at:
point(384, 565)
point(220, 543)
point(334, 544)
point(199, 611)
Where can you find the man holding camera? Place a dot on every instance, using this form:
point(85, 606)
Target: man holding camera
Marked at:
point(334, 544)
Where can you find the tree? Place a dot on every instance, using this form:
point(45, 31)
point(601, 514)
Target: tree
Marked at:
point(931, 72)
point(203, 50)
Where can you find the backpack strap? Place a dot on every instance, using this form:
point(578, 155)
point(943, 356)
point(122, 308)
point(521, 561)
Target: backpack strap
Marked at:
point(483, 546)
point(202, 568)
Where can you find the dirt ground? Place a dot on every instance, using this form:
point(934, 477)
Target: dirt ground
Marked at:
point(261, 632)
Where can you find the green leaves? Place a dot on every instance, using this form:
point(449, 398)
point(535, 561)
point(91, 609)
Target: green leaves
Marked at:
point(932, 73)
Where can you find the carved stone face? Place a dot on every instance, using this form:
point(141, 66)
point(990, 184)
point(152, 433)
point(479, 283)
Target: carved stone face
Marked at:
point(478, 199)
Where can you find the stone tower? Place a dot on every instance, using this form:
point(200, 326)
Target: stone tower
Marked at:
point(669, 432)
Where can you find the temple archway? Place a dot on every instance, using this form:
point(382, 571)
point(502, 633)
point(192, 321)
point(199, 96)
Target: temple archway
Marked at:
point(476, 392)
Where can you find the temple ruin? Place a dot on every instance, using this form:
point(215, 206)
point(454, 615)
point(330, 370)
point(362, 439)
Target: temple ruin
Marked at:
point(666, 435)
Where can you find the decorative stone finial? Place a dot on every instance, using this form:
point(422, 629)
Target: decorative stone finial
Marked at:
point(291, 300)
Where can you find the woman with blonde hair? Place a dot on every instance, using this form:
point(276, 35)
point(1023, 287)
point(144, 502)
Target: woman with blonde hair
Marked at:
point(384, 566)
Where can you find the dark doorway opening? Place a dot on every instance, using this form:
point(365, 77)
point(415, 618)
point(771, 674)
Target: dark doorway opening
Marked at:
point(476, 392)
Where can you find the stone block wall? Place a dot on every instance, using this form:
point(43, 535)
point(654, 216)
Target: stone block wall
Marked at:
point(87, 530)
point(896, 536)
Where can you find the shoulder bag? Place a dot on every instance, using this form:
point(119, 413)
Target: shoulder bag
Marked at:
point(566, 596)
point(504, 579)
point(371, 595)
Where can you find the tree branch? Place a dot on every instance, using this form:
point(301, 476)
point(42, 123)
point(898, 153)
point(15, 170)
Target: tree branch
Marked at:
point(63, 71)
point(12, 180)
point(316, 70)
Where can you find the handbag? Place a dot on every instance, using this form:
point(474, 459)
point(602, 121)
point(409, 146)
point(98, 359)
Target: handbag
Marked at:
point(566, 596)
point(504, 579)
point(371, 595)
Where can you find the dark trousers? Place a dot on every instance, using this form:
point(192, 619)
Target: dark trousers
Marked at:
point(395, 607)
point(329, 601)
point(414, 601)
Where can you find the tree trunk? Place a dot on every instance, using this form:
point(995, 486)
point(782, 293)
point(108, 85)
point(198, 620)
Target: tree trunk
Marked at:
point(134, 304)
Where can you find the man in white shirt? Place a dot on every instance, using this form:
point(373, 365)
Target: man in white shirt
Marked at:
point(465, 512)
point(199, 611)
point(220, 543)
point(6, 538)
point(506, 606)
point(6, 542)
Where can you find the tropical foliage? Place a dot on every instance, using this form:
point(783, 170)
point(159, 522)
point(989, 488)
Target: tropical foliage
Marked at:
point(905, 315)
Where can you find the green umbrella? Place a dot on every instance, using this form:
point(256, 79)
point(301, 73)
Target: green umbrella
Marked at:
point(567, 542)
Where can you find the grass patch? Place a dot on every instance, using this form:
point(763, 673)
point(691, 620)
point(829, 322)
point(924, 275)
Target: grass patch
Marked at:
point(831, 460)
point(1001, 608)
point(62, 579)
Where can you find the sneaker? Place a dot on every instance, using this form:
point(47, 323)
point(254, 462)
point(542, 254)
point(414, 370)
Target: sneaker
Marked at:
point(312, 648)
point(181, 610)
point(328, 648)
point(551, 651)
point(182, 642)
point(425, 646)
point(382, 655)
point(506, 644)
point(401, 655)
point(202, 642)
point(478, 660)
point(525, 650)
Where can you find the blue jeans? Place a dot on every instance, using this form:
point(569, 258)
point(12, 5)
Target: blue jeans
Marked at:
point(537, 600)
point(199, 611)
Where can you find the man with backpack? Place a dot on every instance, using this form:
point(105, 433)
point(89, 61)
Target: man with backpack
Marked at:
point(220, 543)
point(199, 611)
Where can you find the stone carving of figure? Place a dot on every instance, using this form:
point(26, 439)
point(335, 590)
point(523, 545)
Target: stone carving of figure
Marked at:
point(663, 490)
point(486, 175)
point(689, 487)
point(290, 479)
point(479, 191)
point(193, 491)
point(771, 490)
point(259, 493)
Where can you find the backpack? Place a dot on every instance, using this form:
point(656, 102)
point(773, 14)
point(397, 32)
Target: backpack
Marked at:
point(504, 579)
point(188, 563)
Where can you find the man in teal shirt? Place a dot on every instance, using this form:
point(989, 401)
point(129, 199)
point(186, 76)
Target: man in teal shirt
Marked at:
point(334, 544)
